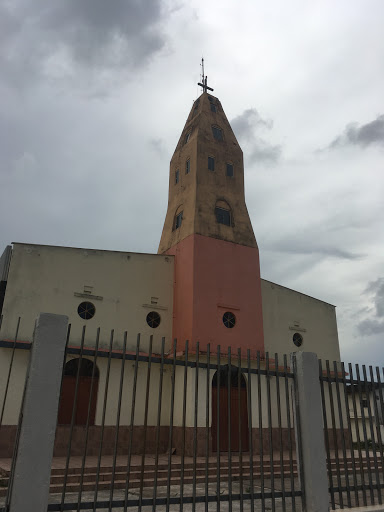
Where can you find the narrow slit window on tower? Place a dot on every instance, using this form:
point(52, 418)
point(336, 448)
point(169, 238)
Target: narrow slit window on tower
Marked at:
point(217, 132)
point(178, 220)
point(187, 166)
point(211, 163)
point(177, 176)
point(213, 107)
point(230, 170)
point(223, 216)
point(187, 137)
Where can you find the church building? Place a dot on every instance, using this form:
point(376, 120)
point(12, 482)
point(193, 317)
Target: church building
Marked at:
point(203, 285)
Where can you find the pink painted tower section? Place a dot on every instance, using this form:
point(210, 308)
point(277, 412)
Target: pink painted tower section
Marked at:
point(217, 290)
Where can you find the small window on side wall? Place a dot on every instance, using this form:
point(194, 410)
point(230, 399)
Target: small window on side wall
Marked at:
point(187, 137)
point(153, 319)
point(297, 339)
point(86, 310)
point(177, 176)
point(230, 170)
point(211, 163)
point(178, 220)
point(187, 166)
point(213, 107)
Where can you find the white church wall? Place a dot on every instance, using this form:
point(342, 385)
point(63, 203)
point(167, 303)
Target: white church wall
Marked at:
point(124, 287)
point(190, 397)
point(261, 403)
point(126, 403)
point(286, 312)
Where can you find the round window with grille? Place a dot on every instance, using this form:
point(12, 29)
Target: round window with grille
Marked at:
point(297, 339)
point(229, 320)
point(153, 319)
point(86, 310)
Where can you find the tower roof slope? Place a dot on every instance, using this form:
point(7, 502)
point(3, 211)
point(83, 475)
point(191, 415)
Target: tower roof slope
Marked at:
point(206, 180)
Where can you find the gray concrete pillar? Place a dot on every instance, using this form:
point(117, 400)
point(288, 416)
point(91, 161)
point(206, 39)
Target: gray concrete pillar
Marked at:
point(309, 429)
point(31, 477)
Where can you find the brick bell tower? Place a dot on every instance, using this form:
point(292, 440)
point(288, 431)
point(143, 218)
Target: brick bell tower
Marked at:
point(217, 289)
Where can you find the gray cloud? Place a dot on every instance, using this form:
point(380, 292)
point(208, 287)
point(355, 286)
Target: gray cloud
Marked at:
point(311, 247)
point(245, 124)
point(369, 327)
point(54, 38)
point(158, 146)
point(361, 135)
point(374, 324)
point(245, 127)
point(377, 289)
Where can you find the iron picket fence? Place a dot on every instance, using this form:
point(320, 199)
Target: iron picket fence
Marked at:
point(9, 433)
point(352, 399)
point(180, 426)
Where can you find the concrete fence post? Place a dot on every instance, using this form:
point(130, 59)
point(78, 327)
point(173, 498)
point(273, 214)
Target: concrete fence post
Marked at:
point(31, 476)
point(309, 431)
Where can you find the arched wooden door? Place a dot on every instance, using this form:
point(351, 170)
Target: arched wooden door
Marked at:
point(88, 382)
point(237, 417)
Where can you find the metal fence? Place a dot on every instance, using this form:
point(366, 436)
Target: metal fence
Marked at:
point(9, 433)
point(138, 428)
point(94, 423)
point(352, 400)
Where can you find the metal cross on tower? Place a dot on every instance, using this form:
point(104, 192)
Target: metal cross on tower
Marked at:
point(204, 79)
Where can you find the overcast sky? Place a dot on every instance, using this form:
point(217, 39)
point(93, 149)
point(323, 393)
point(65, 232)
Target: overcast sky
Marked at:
point(94, 95)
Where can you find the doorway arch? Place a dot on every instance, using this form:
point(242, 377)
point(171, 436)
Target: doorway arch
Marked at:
point(88, 382)
point(229, 394)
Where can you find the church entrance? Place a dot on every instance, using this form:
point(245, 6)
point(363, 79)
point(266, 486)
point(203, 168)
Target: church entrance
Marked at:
point(235, 397)
point(85, 387)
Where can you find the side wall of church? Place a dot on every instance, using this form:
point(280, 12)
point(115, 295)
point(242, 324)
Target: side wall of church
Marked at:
point(286, 312)
point(123, 287)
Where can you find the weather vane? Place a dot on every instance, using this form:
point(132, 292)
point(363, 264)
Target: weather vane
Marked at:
point(204, 79)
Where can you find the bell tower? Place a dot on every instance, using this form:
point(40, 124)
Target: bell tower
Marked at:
point(217, 289)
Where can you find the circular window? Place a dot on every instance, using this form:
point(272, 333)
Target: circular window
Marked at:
point(229, 320)
point(86, 310)
point(297, 339)
point(153, 319)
